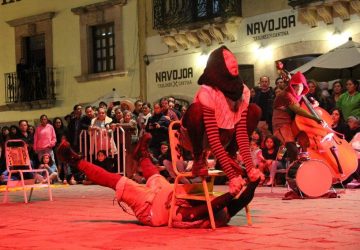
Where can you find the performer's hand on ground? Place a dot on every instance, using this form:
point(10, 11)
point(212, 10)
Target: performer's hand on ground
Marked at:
point(255, 174)
point(235, 185)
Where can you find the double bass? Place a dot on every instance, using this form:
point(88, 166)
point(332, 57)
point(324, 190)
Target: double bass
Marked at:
point(324, 143)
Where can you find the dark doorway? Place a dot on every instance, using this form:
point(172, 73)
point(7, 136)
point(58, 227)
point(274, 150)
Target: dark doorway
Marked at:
point(34, 51)
point(35, 58)
point(246, 72)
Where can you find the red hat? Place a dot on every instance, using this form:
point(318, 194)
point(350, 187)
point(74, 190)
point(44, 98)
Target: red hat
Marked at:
point(298, 78)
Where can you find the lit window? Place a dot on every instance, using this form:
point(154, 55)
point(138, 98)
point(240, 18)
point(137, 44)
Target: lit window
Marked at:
point(104, 47)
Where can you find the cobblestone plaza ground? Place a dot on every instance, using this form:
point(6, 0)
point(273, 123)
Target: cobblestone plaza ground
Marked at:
point(84, 217)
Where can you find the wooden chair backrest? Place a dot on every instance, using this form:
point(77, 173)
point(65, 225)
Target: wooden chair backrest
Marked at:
point(17, 155)
point(175, 148)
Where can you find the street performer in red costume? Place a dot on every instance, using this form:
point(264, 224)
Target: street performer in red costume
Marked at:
point(286, 106)
point(150, 203)
point(221, 118)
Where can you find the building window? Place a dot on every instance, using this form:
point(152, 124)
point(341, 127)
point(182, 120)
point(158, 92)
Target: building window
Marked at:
point(168, 14)
point(104, 47)
point(101, 43)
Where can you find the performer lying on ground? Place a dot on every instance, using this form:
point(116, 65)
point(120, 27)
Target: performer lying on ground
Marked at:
point(221, 118)
point(150, 203)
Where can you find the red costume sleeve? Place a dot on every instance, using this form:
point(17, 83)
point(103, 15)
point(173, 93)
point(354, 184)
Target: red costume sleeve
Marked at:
point(242, 140)
point(218, 150)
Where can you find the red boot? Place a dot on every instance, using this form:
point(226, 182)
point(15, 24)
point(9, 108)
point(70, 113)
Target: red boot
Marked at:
point(67, 155)
point(142, 148)
point(200, 166)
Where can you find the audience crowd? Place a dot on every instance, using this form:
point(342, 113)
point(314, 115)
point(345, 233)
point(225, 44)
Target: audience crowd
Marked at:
point(342, 103)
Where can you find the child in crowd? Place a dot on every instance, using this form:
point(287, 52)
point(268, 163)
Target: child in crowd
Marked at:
point(164, 162)
point(269, 158)
point(47, 163)
point(255, 152)
point(105, 162)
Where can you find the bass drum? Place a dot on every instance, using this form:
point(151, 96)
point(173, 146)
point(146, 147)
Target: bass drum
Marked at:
point(311, 177)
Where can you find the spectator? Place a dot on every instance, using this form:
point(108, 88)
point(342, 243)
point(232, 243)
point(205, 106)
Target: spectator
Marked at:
point(166, 111)
point(258, 137)
point(67, 119)
point(252, 95)
point(172, 107)
point(29, 140)
point(103, 105)
point(61, 132)
point(44, 138)
point(100, 129)
point(24, 89)
point(31, 130)
point(183, 110)
point(85, 121)
point(5, 133)
point(319, 92)
point(337, 90)
point(355, 177)
point(118, 116)
point(255, 152)
point(104, 162)
point(264, 98)
point(338, 123)
point(158, 127)
point(14, 132)
point(144, 117)
point(137, 109)
point(280, 84)
point(74, 127)
point(349, 102)
point(270, 162)
point(131, 138)
point(46, 162)
point(354, 127)
point(126, 105)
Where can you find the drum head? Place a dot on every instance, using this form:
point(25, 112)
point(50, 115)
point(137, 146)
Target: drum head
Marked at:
point(314, 178)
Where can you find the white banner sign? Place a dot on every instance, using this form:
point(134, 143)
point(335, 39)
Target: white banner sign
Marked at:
point(271, 25)
point(175, 76)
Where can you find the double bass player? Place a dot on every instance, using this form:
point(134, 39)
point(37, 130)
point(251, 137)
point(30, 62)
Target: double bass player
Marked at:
point(286, 107)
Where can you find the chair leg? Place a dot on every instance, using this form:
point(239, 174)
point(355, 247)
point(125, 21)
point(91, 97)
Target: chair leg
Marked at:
point(248, 215)
point(6, 197)
point(50, 192)
point(23, 186)
point(30, 195)
point(208, 203)
point(173, 200)
point(49, 185)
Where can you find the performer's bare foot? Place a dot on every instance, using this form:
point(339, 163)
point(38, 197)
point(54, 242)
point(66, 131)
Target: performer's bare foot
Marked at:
point(67, 155)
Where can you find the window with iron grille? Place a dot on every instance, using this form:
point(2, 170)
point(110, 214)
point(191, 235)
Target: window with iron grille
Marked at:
point(103, 47)
point(177, 13)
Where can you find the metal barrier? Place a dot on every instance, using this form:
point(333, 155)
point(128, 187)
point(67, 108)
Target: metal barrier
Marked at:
point(93, 140)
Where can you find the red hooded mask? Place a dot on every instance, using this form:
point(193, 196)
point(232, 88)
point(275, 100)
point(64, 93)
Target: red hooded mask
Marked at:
point(298, 78)
point(217, 75)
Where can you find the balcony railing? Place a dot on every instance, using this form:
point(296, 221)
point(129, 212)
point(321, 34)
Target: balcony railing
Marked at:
point(300, 3)
point(178, 13)
point(30, 85)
